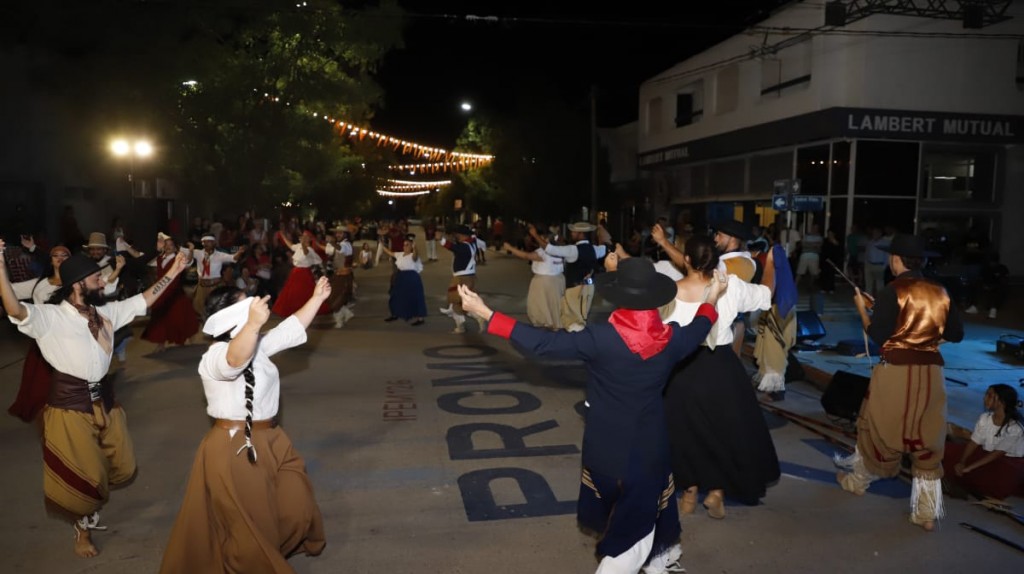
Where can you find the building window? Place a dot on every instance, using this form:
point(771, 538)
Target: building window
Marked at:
point(886, 168)
point(726, 178)
point(727, 89)
point(1020, 65)
point(690, 104)
point(957, 175)
point(654, 116)
point(788, 71)
point(765, 170)
point(812, 169)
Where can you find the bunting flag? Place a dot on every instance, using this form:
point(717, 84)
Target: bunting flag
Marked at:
point(437, 159)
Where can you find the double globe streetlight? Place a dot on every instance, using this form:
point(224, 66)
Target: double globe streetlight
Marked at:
point(140, 149)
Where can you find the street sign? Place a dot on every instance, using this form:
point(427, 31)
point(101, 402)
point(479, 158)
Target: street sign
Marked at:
point(780, 202)
point(808, 203)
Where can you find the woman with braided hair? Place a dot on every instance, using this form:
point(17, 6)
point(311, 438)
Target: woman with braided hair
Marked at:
point(991, 464)
point(246, 512)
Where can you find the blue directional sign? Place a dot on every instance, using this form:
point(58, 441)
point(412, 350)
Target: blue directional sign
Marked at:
point(780, 202)
point(808, 203)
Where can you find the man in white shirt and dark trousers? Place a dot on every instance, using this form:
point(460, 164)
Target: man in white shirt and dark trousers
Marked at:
point(86, 446)
point(209, 264)
point(464, 250)
point(581, 262)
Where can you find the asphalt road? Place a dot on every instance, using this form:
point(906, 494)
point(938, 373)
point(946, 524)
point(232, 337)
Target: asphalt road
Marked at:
point(433, 452)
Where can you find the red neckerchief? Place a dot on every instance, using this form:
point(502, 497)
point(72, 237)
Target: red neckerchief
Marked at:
point(642, 331)
point(206, 264)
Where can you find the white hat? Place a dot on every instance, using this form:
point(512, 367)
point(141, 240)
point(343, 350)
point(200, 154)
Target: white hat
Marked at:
point(208, 238)
point(582, 227)
point(231, 319)
point(162, 236)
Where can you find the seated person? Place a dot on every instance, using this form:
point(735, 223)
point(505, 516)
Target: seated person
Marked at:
point(991, 464)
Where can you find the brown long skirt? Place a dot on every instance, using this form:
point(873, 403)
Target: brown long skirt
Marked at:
point(239, 517)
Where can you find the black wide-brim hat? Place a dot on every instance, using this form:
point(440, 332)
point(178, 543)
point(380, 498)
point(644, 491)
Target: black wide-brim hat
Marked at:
point(636, 285)
point(76, 268)
point(462, 230)
point(736, 229)
point(909, 246)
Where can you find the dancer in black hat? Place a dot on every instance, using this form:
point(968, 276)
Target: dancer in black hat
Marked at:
point(904, 411)
point(86, 446)
point(627, 489)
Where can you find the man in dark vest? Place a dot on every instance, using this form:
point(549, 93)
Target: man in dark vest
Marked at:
point(904, 410)
point(581, 261)
point(463, 272)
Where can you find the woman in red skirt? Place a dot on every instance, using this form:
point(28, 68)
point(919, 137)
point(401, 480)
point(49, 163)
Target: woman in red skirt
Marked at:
point(299, 286)
point(991, 465)
point(172, 318)
point(35, 374)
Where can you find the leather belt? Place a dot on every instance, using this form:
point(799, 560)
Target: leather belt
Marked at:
point(240, 425)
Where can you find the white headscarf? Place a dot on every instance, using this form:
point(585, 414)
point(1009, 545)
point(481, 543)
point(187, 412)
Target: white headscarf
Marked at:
point(231, 319)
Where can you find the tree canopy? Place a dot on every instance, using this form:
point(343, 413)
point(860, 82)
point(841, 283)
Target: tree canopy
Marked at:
point(228, 89)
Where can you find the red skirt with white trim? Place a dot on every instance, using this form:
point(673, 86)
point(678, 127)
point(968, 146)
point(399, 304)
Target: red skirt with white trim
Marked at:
point(296, 291)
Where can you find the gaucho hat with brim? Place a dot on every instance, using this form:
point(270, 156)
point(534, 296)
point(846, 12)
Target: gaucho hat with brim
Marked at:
point(582, 227)
point(907, 245)
point(636, 285)
point(734, 228)
point(76, 268)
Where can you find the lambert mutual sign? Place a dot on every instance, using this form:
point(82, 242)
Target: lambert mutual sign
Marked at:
point(914, 124)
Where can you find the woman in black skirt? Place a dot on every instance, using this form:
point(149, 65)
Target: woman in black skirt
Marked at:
point(718, 436)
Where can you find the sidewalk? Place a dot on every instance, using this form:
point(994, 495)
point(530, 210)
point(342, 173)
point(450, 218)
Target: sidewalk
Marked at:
point(971, 366)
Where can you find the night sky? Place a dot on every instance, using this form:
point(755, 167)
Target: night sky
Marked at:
point(448, 58)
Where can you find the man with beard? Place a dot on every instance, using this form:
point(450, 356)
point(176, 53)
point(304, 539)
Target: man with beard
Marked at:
point(98, 250)
point(86, 446)
point(731, 238)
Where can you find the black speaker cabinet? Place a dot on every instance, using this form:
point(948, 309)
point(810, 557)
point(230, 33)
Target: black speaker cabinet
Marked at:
point(844, 394)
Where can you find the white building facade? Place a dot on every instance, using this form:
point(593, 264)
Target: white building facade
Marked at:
point(908, 122)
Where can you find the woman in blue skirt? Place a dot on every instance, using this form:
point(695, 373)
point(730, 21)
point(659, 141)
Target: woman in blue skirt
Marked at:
point(407, 297)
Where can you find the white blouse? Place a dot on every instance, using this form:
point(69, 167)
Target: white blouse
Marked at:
point(1010, 441)
point(300, 259)
point(739, 297)
point(224, 385)
point(666, 268)
point(36, 290)
point(405, 262)
point(550, 264)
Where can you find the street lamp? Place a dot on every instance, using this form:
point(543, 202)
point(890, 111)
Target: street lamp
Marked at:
point(141, 149)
